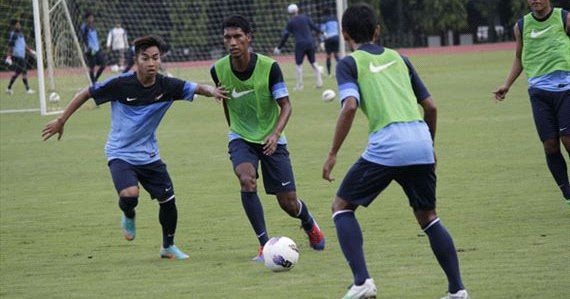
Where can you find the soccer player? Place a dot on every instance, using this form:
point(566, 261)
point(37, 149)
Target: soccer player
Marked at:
point(386, 87)
point(543, 52)
point(329, 27)
point(257, 112)
point(139, 101)
point(93, 54)
point(16, 56)
point(118, 43)
point(300, 26)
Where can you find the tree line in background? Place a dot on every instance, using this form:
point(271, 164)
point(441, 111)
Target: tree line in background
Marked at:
point(193, 28)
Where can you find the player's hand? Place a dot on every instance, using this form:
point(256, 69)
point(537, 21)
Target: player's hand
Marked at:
point(501, 92)
point(8, 60)
point(322, 46)
point(328, 167)
point(53, 127)
point(270, 144)
point(276, 51)
point(33, 53)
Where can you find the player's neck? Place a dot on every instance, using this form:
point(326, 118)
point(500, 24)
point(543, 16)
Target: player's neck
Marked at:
point(240, 63)
point(543, 13)
point(146, 80)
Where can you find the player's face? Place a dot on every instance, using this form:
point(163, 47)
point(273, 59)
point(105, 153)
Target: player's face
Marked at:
point(539, 5)
point(148, 61)
point(236, 41)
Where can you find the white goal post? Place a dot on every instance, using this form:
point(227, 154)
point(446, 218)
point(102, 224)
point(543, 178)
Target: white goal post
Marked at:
point(191, 28)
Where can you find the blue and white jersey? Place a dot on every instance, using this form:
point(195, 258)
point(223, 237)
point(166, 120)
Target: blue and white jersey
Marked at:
point(136, 112)
point(300, 27)
point(397, 144)
point(90, 39)
point(330, 27)
point(17, 42)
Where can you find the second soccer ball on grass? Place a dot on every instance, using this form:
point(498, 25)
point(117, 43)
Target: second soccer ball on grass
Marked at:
point(328, 95)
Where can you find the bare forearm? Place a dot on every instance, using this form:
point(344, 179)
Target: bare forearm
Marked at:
point(343, 125)
point(78, 100)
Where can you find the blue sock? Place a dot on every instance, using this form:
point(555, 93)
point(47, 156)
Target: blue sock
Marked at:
point(351, 242)
point(444, 250)
point(306, 218)
point(254, 211)
point(557, 166)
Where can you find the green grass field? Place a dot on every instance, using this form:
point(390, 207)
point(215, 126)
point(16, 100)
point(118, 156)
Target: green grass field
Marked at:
point(60, 233)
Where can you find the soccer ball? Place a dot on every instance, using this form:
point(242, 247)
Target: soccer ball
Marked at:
point(328, 95)
point(54, 97)
point(280, 254)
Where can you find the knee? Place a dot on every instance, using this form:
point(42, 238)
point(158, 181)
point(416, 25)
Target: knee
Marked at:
point(248, 183)
point(551, 146)
point(130, 192)
point(425, 217)
point(340, 204)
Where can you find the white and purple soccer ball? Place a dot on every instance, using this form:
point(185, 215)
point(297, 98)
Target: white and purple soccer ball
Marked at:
point(280, 254)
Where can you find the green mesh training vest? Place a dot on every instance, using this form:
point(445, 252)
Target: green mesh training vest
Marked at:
point(253, 111)
point(546, 47)
point(386, 94)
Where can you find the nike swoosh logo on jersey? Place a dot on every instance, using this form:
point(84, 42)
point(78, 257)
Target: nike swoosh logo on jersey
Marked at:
point(131, 99)
point(159, 97)
point(378, 69)
point(241, 93)
point(535, 34)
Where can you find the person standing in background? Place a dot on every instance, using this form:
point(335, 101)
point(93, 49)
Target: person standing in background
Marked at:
point(16, 56)
point(300, 26)
point(117, 44)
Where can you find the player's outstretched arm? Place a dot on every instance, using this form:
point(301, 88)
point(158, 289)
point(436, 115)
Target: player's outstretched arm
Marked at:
point(343, 125)
point(516, 68)
point(56, 126)
point(220, 93)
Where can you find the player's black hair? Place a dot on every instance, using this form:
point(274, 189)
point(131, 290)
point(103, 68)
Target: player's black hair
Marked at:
point(237, 21)
point(13, 22)
point(88, 14)
point(359, 21)
point(145, 42)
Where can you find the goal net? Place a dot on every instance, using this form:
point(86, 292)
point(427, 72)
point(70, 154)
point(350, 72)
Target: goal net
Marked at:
point(191, 28)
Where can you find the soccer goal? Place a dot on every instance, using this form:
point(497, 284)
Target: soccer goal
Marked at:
point(192, 30)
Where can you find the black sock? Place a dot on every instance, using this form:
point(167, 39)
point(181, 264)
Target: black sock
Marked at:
point(557, 166)
point(306, 218)
point(128, 205)
point(25, 80)
point(254, 212)
point(168, 217)
point(12, 80)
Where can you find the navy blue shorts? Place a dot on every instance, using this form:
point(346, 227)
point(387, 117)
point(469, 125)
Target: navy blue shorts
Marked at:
point(153, 177)
point(366, 180)
point(331, 45)
point(551, 111)
point(93, 60)
point(302, 50)
point(19, 65)
point(276, 169)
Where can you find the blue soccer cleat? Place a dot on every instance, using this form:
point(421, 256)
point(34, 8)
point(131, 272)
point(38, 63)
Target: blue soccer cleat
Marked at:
point(173, 253)
point(129, 228)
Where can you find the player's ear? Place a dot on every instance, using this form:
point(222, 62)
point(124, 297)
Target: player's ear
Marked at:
point(376, 33)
